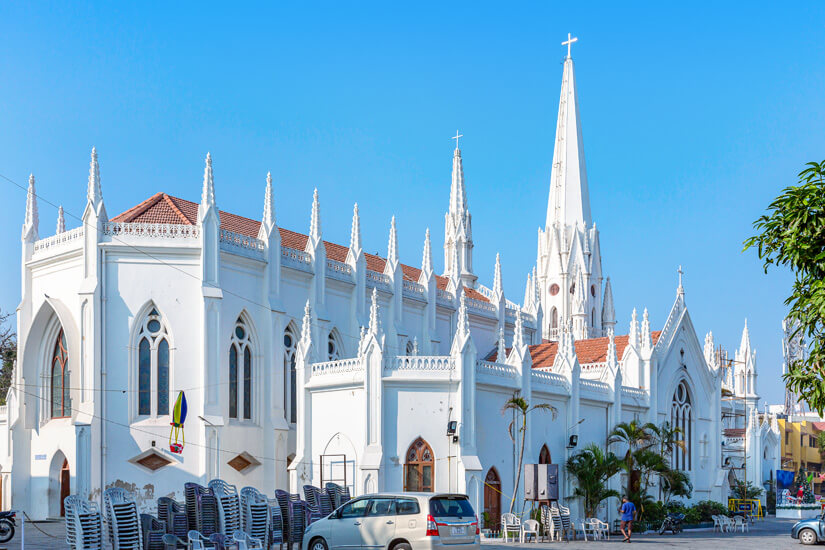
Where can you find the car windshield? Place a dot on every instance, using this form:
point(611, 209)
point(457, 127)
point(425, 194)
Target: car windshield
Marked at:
point(451, 507)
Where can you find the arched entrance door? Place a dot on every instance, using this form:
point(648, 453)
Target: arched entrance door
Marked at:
point(492, 500)
point(419, 467)
point(65, 485)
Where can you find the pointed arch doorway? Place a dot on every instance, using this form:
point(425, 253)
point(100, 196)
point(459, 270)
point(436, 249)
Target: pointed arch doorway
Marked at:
point(60, 478)
point(492, 500)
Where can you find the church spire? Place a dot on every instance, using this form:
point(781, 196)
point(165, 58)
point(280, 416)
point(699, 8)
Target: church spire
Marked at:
point(569, 202)
point(458, 228)
point(608, 309)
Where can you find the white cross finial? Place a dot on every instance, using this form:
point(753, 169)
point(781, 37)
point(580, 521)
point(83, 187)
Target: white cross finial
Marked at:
point(680, 276)
point(569, 43)
point(457, 135)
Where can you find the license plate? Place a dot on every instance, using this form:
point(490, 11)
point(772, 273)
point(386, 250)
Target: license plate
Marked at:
point(457, 531)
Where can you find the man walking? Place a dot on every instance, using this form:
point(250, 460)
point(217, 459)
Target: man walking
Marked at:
point(628, 511)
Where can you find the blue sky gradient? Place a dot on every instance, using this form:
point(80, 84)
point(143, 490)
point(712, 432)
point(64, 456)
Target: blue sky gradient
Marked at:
point(694, 118)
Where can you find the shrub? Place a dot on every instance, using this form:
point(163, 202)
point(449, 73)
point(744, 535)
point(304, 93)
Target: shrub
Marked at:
point(707, 508)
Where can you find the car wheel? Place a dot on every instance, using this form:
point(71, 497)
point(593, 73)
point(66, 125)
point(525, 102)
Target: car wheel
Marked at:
point(402, 546)
point(318, 544)
point(807, 536)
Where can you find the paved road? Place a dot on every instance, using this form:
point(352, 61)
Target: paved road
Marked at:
point(769, 533)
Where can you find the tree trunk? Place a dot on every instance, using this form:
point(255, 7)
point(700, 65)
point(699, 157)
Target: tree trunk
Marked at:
point(520, 461)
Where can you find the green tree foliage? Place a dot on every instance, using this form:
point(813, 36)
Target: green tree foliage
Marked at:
point(592, 468)
point(520, 408)
point(746, 490)
point(792, 235)
point(8, 355)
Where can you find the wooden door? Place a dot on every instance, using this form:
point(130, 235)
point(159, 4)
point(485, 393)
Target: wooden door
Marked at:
point(65, 485)
point(492, 500)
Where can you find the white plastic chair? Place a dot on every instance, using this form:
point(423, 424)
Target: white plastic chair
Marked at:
point(510, 523)
point(739, 523)
point(599, 529)
point(530, 527)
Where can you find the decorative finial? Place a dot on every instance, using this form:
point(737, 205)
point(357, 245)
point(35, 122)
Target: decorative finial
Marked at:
point(501, 353)
point(61, 222)
point(568, 43)
point(375, 319)
point(269, 203)
point(497, 288)
point(681, 288)
point(457, 135)
point(355, 232)
point(208, 193)
point(306, 328)
point(31, 220)
point(93, 192)
point(392, 245)
point(427, 259)
point(315, 219)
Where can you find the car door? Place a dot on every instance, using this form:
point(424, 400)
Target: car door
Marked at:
point(410, 524)
point(345, 529)
point(378, 525)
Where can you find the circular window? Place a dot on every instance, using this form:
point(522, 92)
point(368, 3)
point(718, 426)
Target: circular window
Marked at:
point(287, 341)
point(573, 288)
point(153, 325)
point(240, 333)
point(593, 290)
point(554, 289)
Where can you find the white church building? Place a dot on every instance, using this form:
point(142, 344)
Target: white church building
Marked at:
point(305, 361)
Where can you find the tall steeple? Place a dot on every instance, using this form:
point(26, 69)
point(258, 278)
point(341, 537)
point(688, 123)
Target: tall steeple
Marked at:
point(568, 243)
point(569, 202)
point(458, 227)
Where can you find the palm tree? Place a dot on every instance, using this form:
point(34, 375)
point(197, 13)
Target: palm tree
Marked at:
point(675, 483)
point(520, 409)
point(592, 467)
point(669, 437)
point(637, 437)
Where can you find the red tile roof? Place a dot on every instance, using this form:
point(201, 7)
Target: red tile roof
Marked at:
point(163, 208)
point(590, 350)
point(819, 426)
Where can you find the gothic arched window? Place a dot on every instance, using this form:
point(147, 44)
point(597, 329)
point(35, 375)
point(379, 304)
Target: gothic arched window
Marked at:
point(410, 348)
point(544, 455)
point(554, 318)
point(333, 347)
point(419, 467)
point(240, 368)
point(290, 375)
point(681, 416)
point(61, 385)
point(153, 366)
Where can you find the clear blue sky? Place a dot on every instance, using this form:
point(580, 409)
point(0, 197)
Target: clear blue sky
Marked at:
point(694, 118)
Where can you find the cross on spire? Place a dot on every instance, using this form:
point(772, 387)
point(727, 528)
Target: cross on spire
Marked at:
point(457, 135)
point(569, 42)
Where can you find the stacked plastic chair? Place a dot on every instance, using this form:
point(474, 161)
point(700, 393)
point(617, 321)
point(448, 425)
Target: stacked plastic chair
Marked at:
point(153, 530)
point(172, 513)
point(255, 514)
point(339, 495)
point(121, 514)
point(312, 495)
point(229, 513)
point(201, 509)
point(277, 534)
point(84, 526)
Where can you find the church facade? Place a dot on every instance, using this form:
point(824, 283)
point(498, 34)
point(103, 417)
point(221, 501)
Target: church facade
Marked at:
point(305, 361)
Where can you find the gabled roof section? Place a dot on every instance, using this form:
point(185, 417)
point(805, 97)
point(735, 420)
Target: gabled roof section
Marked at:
point(590, 350)
point(163, 208)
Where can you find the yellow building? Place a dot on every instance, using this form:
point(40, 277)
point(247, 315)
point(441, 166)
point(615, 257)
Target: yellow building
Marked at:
point(799, 447)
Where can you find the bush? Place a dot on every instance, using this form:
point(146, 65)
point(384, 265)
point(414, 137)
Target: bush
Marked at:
point(707, 508)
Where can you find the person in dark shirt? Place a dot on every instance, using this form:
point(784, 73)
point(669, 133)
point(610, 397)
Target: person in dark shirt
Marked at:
point(628, 511)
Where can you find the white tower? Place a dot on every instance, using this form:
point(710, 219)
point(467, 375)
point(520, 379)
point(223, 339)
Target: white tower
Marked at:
point(568, 245)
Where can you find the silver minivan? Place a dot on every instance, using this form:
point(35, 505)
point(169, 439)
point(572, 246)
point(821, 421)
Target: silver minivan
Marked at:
point(398, 521)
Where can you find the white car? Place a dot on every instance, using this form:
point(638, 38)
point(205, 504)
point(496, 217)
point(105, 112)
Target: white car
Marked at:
point(398, 521)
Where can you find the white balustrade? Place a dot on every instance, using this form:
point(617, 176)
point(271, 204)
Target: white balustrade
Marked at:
point(550, 379)
point(413, 288)
point(496, 369)
point(155, 230)
point(486, 307)
point(339, 270)
point(59, 239)
point(444, 295)
point(375, 278)
point(594, 386)
point(244, 242)
point(420, 363)
point(293, 256)
point(637, 393)
point(339, 366)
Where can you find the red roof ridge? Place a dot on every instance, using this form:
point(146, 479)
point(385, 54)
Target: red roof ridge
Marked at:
point(290, 239)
